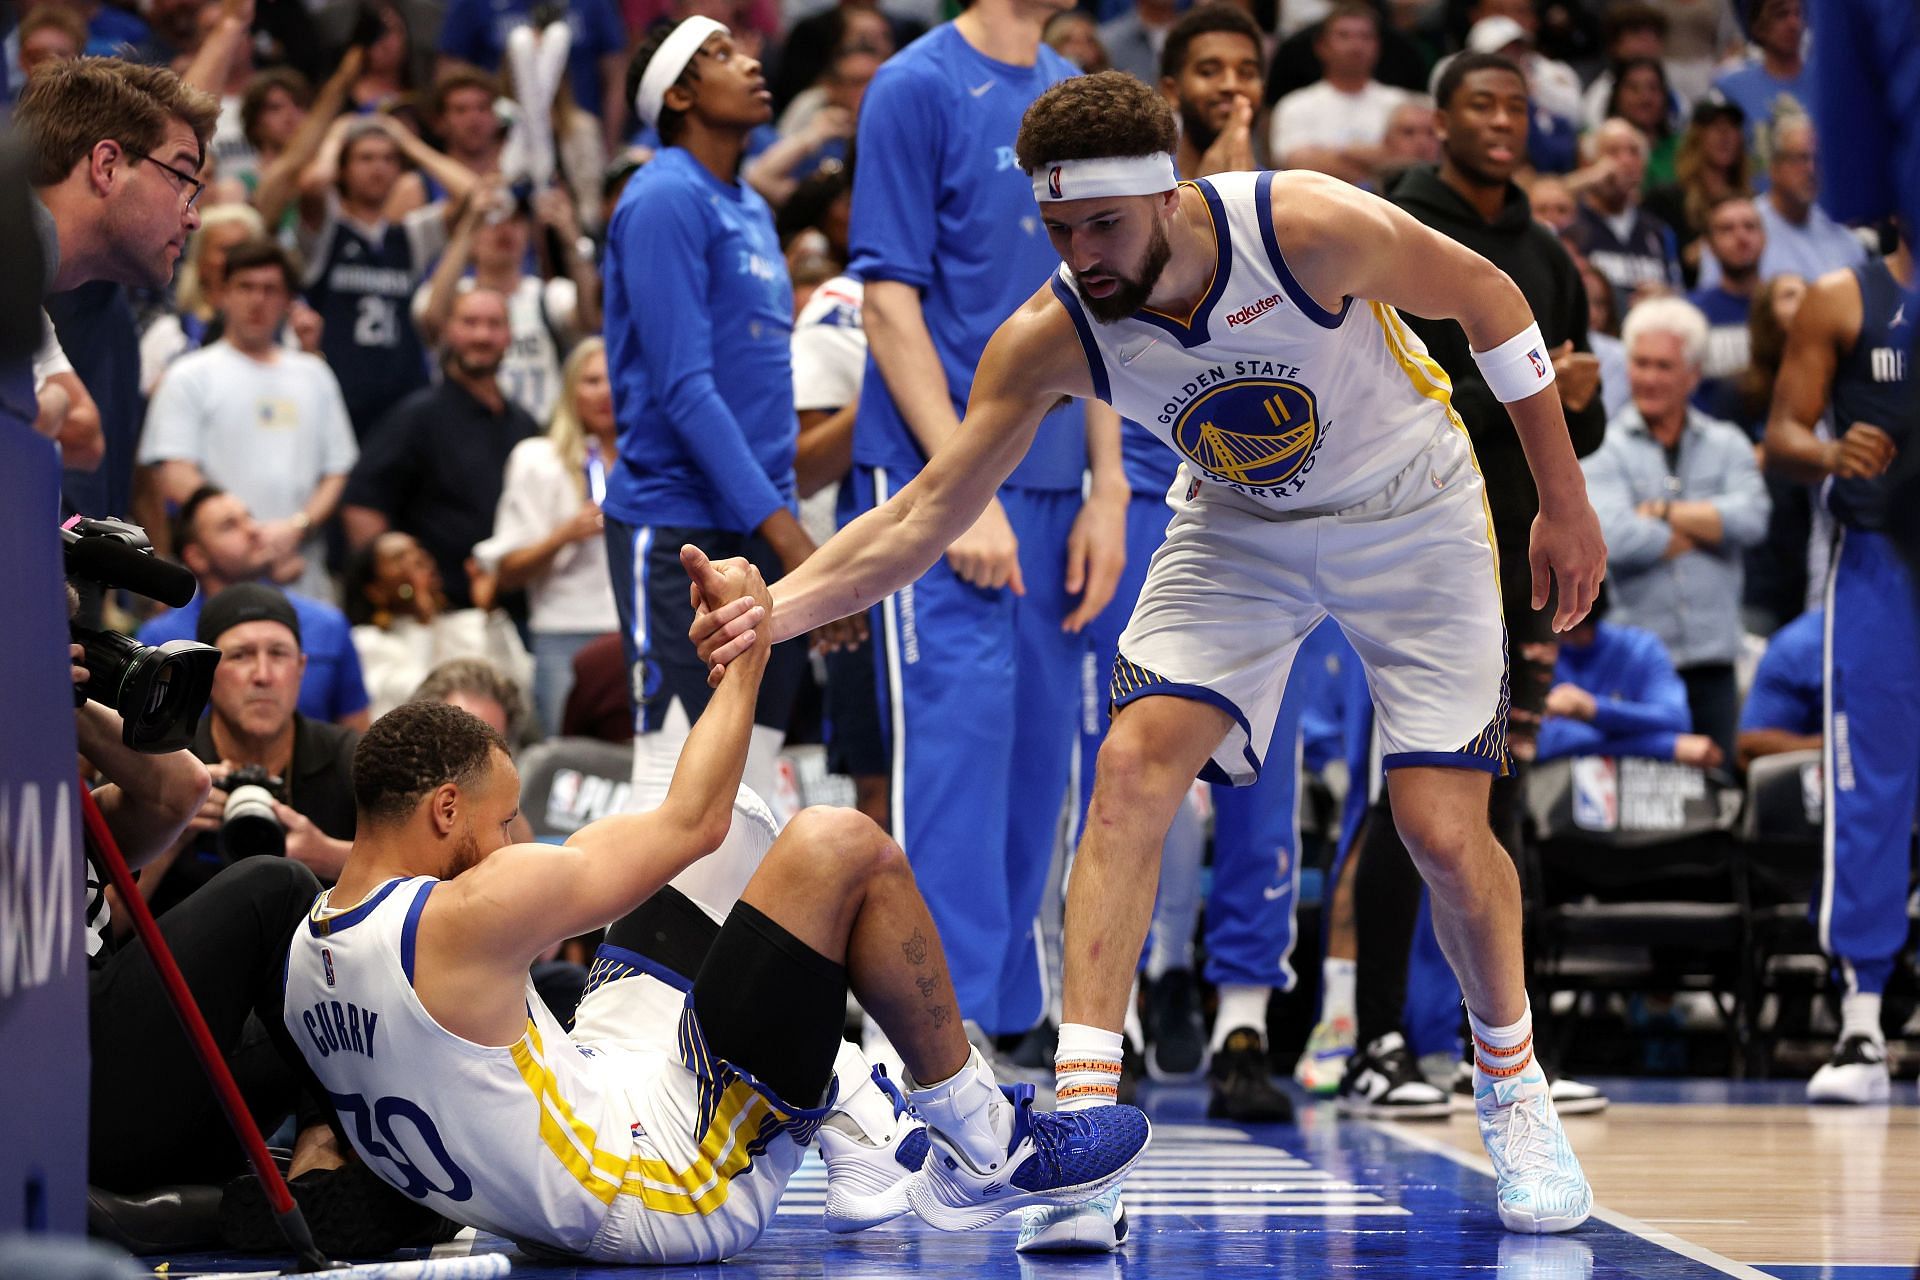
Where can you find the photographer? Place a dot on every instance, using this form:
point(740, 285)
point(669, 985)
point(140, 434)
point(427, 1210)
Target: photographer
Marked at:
point(253, 729)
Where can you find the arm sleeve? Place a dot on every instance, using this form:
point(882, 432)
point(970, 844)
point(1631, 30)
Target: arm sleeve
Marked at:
point(1783, 696)
point(1588, 426)
point(663, 258)
point(1744, 506)
point(1658, 701)
point(338, 448)
point(172, 431)
point(1633, 541)
point(896, 186)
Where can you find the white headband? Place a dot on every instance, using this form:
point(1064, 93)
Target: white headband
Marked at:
point(1109, 176)
point(676, 51)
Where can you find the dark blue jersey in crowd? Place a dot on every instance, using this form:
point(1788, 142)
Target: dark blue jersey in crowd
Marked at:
point(1729, 352)
point(939, 203)
point(1870, 385)
point(361, 282)
point(699, 322)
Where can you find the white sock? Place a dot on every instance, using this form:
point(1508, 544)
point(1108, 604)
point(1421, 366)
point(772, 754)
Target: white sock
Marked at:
point(969, 1111)
point(1860, 1015)
point(1501, 1052)
point(1240, 1006)
point(1086, 1068)
point(1336, 990)
point(1135, 1033)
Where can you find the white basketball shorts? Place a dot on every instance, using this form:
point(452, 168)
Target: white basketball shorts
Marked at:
point(1410, 575)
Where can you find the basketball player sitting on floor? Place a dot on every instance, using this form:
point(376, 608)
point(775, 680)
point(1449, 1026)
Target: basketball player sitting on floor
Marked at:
point(665, 1128)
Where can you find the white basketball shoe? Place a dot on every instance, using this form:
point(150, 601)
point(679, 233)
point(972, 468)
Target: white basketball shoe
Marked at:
point(1540, 1187)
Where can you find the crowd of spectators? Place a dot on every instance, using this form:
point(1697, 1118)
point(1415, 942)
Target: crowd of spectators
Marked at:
point(374, 414)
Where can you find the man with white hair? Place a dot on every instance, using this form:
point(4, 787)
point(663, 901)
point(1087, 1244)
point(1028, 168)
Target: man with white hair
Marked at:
point(1679, 495)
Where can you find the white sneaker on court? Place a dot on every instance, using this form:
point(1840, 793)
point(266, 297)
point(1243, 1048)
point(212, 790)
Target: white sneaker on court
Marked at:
point(872, 1144)
point(1539, 1185)
point(1325, 1058)
point(1856, 1075)
point(1098, 1226)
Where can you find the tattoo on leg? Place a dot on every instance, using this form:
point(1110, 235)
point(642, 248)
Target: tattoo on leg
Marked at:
point(941, 1015)
point(927, 986)
point(915, 948)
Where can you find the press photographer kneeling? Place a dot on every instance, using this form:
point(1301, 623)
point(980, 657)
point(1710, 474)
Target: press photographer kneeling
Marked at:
point(283, 784)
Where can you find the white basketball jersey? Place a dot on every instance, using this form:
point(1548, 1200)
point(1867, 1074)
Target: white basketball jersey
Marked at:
point(1260, 388)
point(492, 1137)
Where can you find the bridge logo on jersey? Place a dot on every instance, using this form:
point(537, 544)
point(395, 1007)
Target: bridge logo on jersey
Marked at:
point(1255, 433)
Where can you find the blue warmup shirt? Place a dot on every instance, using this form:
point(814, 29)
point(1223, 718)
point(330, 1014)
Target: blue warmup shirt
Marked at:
point(937, 128)
point(1788, 685)
point(699, 314)
point(1642, 703)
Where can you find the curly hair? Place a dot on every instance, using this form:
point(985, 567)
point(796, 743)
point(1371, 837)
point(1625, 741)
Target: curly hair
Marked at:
point(413, 749)
point(1093, 117)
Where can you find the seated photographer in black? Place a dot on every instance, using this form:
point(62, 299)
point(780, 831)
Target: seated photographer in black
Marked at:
point(283, 783)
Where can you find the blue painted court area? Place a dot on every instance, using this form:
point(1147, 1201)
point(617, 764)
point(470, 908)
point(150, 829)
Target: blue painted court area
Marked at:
point(1317, 1199)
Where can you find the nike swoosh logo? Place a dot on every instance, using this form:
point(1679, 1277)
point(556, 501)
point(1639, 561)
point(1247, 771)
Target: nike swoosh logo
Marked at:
point(978, 89)
point(1127, 359)
point(1271, 894)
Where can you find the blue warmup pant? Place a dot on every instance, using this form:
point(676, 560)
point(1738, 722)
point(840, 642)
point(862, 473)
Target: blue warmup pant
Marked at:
point(1871, 756)
point(977, 695)
point(1256, 844)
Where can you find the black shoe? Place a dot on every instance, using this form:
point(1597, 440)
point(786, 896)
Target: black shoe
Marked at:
point(1133, 1069)
point(1036, 1048)
point(1240, 1083)
point(350, 1211)
point(1177, 1040)
point(1383, 1082)
point(163, 1220)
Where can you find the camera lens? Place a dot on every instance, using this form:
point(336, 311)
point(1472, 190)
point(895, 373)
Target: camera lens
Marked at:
point(250, 828)
point(159, 691)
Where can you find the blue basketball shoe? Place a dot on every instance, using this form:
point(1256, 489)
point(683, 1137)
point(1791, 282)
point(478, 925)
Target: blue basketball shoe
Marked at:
point(1052, 1158)
point(1539, 1184)
point(872, 1143)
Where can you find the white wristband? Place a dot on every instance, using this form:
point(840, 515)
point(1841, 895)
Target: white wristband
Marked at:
point(1518, 367)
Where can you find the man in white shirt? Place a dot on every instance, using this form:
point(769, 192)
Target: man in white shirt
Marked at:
point(1336, 124)
point(265, 423)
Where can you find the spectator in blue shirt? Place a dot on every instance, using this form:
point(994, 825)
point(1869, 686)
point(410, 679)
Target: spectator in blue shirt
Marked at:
point(1801, 238)
point(217, 537)
point(1615, 693)
point(1735, 239)
point(1775, 69)
point(699, 316)
point(1785, 706)
point(1679, 496)
point(476, 31)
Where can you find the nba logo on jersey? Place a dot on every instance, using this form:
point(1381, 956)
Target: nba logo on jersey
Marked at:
point(1053, 183)
point(1258, 432)
point(326, 959)
point(1539, 365)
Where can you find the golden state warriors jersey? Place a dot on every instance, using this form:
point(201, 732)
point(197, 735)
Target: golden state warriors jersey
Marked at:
point(491, 1137)
point(1260, 388)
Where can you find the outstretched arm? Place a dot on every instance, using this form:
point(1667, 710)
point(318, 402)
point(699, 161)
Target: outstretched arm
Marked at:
point(1027, 367)
point(1341, 241)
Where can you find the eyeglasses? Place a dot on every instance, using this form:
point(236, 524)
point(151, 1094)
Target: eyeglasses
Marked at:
point(190, 186)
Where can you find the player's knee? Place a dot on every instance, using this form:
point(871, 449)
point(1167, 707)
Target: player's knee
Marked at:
point(1442, 842)
point(1131, 765)
point(844, 844)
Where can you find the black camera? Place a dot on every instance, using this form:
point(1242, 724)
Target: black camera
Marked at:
point(250, 827)
point(159, 691)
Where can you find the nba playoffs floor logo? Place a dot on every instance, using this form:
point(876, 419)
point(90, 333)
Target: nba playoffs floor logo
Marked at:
point(1258, 432)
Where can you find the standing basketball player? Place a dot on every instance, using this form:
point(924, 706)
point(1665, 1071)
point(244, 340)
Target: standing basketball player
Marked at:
point(978, 658)
point(1249, 320)
point(665, 1127)
point(1848, 349)
point(361, 268)
point(699, 320)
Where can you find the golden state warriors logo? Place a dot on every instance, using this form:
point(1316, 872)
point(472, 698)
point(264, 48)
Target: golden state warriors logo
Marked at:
point(1257, 432)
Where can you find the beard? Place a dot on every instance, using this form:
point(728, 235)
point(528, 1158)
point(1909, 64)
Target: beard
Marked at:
point(477, 366)
point(1129, 296)
point(1195, 126)
point(466, 854)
